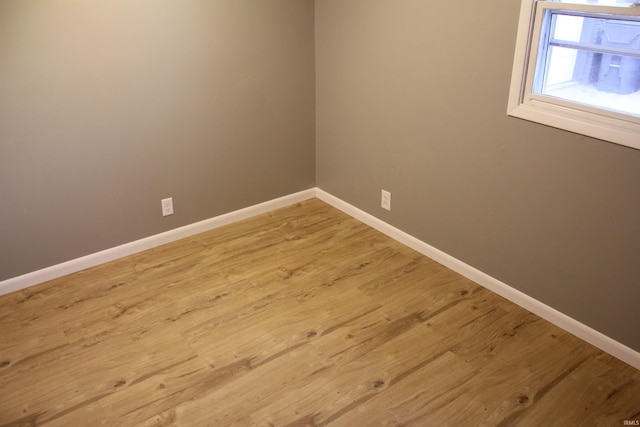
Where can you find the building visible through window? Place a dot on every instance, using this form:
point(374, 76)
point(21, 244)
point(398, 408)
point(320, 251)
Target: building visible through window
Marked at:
point(590, 59)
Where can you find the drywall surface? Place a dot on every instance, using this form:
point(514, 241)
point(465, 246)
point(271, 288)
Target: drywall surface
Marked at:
point(106, 107)
point(412, 98)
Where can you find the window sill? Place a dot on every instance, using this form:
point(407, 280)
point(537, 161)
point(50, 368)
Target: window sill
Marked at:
point(598, 126)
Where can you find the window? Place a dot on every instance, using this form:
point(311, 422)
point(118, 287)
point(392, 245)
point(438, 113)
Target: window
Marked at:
point(577, 67)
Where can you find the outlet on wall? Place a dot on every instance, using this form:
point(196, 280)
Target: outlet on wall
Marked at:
point(386, 200)
point(167, 206)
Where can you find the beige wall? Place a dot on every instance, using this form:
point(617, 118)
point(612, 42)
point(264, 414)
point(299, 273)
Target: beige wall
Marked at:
point(412, 96)
point(108, 106)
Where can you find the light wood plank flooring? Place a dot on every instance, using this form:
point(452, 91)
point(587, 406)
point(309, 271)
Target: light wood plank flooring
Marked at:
point(300, 317)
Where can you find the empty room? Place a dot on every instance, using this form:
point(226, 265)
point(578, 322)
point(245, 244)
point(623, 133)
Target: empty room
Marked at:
point(329, 212)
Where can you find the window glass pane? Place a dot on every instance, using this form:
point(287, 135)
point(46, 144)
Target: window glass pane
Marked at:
point(599, 2)
point(568, 28)
point(591, 60)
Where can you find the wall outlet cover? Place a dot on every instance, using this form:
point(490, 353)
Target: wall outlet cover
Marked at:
point(386, 200)
point(167, 206)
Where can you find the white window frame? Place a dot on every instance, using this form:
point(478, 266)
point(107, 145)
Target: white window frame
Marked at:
point(602, 124)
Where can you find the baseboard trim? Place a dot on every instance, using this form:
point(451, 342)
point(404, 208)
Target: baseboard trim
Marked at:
point(550, 314)
point(92, 260)
point(580, 330)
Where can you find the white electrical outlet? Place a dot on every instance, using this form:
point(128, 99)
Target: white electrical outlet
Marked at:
point(386, 200)
point(167, 206)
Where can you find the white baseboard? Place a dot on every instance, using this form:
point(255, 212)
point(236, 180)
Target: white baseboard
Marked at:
point(550, 314)
point(78, 264)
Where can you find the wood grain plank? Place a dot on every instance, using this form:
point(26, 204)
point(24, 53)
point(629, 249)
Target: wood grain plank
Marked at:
point(302, 316)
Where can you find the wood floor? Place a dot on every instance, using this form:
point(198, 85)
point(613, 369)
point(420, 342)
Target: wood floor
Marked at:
point(300, 317)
